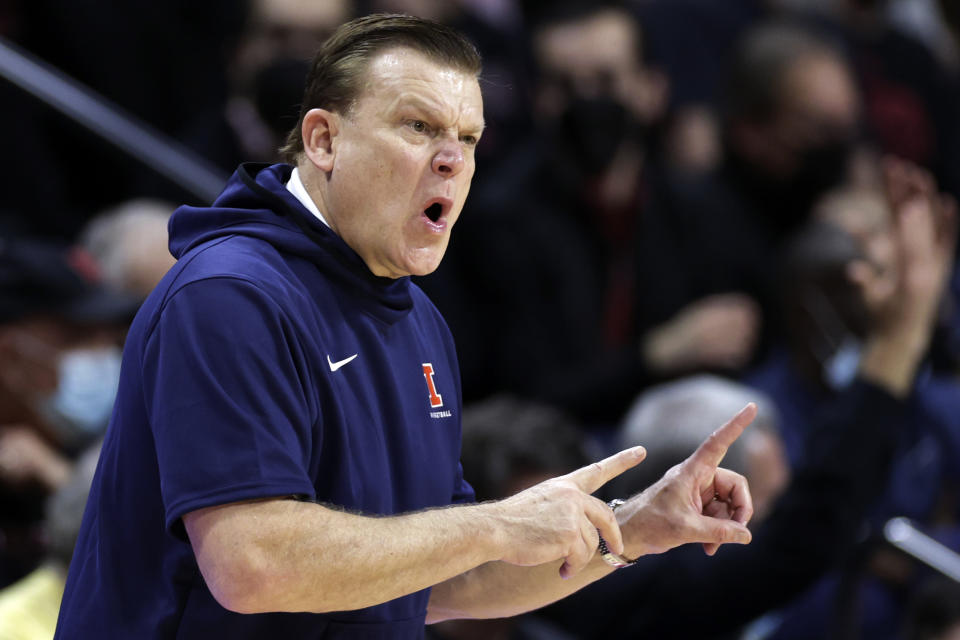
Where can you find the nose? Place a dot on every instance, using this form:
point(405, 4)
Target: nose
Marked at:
point(448, 160)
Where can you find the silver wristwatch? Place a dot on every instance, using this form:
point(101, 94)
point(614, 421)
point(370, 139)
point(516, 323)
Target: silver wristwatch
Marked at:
point(613, 559)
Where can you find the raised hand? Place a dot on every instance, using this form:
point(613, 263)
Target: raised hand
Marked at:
point(559, 518)
point(716, 331)
point(902, 298)
point(905, 298)
point(25, 457)
point(696, 501)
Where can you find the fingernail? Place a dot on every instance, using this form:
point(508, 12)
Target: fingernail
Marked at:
point(638, 452)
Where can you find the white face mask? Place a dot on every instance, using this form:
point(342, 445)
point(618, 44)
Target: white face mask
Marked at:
point(80, 407)
point(841, 368)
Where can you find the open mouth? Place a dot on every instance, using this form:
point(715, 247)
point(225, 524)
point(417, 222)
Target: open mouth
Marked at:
point(434, 211)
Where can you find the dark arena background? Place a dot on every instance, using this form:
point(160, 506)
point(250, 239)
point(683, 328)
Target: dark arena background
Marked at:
point(679, 207)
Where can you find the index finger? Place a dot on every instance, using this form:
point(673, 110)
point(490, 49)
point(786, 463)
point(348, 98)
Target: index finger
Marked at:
point(712, 450)
point(593, 476)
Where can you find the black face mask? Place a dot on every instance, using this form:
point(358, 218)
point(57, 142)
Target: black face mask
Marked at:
point(786, 202)
point(278, 91)
point(591, 130)
point(820, 169)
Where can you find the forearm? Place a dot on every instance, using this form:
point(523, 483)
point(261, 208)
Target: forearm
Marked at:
point(296, 556)
point(890, 359)
point(283, 555)
point(498, 589)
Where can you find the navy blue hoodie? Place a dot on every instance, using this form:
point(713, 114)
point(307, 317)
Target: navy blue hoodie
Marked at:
point(237, 384)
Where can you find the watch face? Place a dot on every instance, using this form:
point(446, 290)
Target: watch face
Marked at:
point(614, 560)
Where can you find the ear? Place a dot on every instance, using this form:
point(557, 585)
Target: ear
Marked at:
point(319, 131)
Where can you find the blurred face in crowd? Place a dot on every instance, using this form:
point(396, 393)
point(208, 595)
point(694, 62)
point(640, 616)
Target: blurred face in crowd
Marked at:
point(400, 161)
point(820, 107)
point(595, 92)
point(808, 138)
point(270, 63)
point(865, 215)
point(289, 28)
point(58, 377)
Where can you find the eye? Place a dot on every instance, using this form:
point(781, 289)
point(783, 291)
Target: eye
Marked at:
point(469, 140)
point(418, 125)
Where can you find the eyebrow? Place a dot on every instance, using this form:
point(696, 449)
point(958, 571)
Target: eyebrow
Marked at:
point(416, 101)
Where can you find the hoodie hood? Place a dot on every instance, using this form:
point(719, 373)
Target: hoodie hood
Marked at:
point(256, 203)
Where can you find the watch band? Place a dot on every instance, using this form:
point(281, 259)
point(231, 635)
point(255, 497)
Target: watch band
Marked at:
point(615, 560)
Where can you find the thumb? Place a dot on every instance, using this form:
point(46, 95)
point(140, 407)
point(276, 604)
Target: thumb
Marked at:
point(717, 532)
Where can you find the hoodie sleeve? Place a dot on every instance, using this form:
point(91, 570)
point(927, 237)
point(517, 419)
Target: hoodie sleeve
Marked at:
point(224, 388)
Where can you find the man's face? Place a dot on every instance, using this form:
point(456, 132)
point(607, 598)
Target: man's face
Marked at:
point(820, 108)
point(589, 59)
point(403, 158)
point(595, 99)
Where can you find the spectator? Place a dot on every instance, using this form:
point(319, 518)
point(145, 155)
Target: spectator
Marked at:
point(129, 243)
point(60, 337)
point(29, 608)
point(935, 612)
point(542, 289)
point(816, 521)
point(267, 67)
point(910, 99)
point(789, 125)
point(829, 321)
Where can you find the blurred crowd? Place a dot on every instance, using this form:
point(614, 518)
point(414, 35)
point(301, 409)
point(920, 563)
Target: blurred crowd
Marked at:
point(680, 206)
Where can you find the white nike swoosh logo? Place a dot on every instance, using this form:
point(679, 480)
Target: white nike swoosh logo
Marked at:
point(339, 363)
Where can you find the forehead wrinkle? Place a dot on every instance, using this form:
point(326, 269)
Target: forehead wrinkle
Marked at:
point(443, 91)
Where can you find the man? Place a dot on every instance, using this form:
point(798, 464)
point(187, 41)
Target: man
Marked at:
point(851, 446)
point(789, 127)
point(552, 237)
point(288, 416)
point(61, 329)
point(129, 243)
point(29, 606)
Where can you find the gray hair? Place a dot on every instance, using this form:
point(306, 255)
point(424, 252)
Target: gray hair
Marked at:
point(120, 238)
point(672, 419)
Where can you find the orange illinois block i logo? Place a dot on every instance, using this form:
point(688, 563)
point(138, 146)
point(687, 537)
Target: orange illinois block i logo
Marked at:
point(436, 400)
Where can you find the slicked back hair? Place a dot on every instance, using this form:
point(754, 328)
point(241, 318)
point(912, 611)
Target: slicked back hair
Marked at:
point(339, 68)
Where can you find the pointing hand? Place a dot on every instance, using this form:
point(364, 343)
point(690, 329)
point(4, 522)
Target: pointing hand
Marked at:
point(696, 501)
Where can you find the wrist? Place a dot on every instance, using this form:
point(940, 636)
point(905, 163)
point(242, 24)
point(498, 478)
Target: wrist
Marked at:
point(633, 546)
point(891, 359)
point(488, 527)
point(615, 560)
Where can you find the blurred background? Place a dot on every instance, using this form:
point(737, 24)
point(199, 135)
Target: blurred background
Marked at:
point(679, 206)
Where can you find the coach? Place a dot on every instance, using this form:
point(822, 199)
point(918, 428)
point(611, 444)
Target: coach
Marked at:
point(284, 451)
